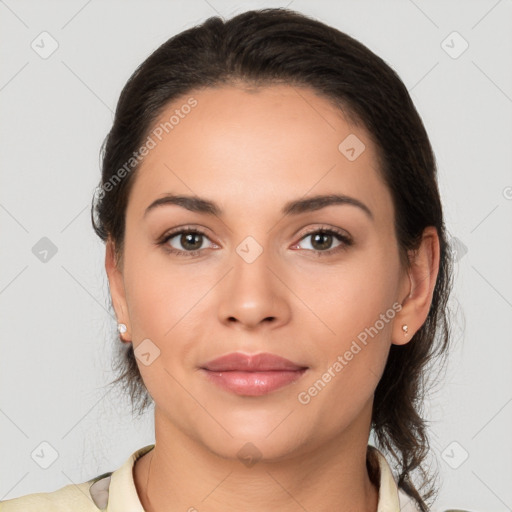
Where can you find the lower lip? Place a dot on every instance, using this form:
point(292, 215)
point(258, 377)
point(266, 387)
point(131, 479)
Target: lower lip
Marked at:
point(254, 383)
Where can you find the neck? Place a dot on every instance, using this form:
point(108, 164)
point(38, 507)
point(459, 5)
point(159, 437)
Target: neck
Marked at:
point(181, 474)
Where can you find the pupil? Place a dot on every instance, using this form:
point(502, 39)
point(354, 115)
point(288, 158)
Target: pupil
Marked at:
point(324, 245)
point(187, 239)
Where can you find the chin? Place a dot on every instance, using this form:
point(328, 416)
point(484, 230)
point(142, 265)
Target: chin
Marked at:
point(251, 443)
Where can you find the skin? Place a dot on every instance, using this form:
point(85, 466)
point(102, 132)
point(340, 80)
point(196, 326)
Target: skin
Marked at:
point(251, 151)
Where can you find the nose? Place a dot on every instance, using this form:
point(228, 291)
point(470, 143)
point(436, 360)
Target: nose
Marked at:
point(254, 294)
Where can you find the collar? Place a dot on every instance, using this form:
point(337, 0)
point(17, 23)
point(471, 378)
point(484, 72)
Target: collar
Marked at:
point(118, 489)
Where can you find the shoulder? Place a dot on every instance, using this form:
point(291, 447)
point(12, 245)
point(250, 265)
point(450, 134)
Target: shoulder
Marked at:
point(115, 487)
point(74, 497)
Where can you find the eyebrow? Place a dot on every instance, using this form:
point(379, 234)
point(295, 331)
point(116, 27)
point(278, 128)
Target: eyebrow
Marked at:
point(296, 207)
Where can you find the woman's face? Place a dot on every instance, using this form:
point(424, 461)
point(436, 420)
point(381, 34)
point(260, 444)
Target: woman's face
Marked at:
point(256, 277)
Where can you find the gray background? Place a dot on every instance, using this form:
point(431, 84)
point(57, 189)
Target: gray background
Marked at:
point(55, 327)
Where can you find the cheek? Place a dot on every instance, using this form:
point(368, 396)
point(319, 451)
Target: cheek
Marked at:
point(152, 298)
point(350, 297)
point(159, 293)
point(164, 307)
point(167, 306)
point(353, 356)
point(352, 326)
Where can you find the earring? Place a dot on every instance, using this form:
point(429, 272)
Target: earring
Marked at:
point(121, 328)
point(405, 328)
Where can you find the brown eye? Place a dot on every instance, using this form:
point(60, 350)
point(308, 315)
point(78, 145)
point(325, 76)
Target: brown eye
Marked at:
point(190, 241)
point(322, 241)
point(185, 242)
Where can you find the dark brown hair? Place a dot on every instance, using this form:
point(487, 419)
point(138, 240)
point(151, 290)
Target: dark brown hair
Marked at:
point(270, 46)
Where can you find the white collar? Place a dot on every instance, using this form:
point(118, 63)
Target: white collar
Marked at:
point(119, 487)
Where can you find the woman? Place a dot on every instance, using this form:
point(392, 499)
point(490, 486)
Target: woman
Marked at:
point(279, 268)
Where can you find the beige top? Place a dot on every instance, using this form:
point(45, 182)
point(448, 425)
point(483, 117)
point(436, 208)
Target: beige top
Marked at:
point(116, 492)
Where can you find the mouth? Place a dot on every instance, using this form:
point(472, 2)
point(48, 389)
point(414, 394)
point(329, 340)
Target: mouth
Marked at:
point(253, 383)
point(262, 362)
point(252, 375)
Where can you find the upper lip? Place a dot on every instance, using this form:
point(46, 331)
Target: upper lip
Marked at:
point(251, 362)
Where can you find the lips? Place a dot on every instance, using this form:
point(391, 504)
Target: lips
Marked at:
point(252, 375)
point(262, 362)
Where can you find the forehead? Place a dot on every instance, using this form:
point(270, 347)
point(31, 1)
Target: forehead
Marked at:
point(258, 147)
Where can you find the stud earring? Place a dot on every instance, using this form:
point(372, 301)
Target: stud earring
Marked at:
point(405, 328)
point(121, 328)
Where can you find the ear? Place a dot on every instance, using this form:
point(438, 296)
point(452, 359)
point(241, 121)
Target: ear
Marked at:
point(116, 286)
point(420, 279)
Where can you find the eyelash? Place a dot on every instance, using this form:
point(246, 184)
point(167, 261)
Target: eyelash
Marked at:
point(346, 241)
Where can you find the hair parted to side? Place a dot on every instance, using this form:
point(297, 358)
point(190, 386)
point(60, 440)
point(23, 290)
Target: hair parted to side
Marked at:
point(270, 46)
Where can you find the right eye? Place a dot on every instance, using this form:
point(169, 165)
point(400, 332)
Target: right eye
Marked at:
point(191, 240)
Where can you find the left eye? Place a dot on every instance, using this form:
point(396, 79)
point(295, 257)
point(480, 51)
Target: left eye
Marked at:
point(321, 240)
